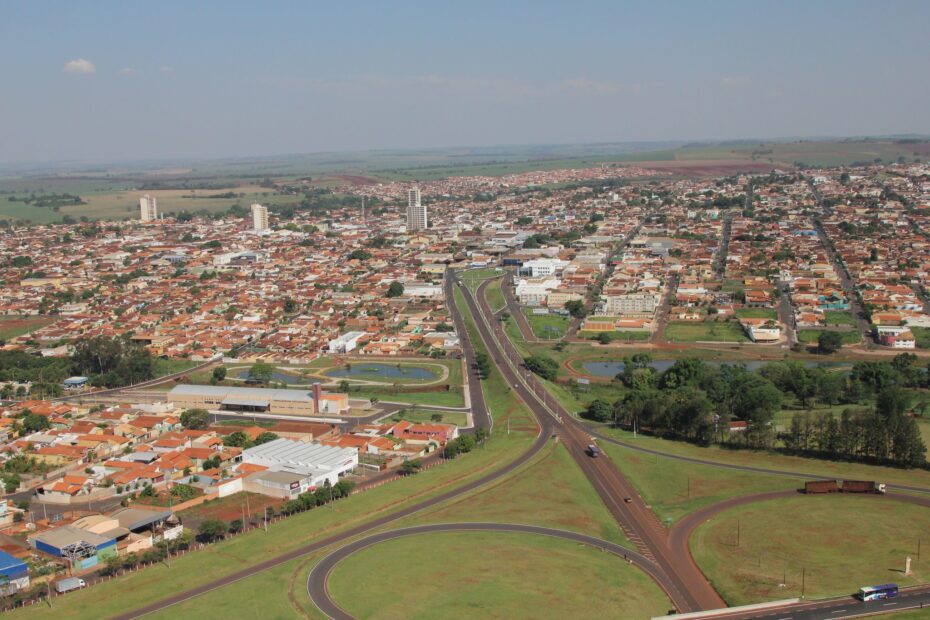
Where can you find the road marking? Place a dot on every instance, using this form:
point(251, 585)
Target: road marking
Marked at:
point(888, 604)
point(838, 611)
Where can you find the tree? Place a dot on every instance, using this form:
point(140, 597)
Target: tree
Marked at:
point(33, 422)
point(359, 255)
point(237, 439)
point(396, 289)
point(482, 364)
point(576, 308)
point(599, 410)
point(545, 367)
point(219, 374)
point(604, 338)
point(829, 342)
point(195, 419)
point(211, 530)
point(410, 467)
point(264, 437)
point(261, 373)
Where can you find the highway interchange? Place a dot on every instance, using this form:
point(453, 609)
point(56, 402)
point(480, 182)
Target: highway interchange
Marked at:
point(663, 554)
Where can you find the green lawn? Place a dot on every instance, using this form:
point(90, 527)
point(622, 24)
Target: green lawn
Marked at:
point(551, 492)
point(842, 542)
point(425, 415)
point(171, 366)
point(922, 334)
point(452, 398)
point(712, 331)
point(756, 313)
point(474, 277)
point(809, 336)
point(492, 575)
point(839, 317)
point(675, 488)
point(547, 326)
point(495, 296)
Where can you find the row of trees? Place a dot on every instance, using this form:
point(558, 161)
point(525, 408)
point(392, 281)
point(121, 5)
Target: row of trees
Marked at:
point(322, 495)
point(465, 443)
point(694, 401)
point(113, 362)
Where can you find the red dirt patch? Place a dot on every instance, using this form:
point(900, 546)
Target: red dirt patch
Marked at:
point(356, 179)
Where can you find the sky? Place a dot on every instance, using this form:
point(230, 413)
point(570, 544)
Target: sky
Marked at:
point(122, 81)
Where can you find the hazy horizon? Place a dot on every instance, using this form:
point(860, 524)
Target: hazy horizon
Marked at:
point(236, 80)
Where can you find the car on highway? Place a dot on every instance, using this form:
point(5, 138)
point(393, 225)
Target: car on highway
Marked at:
point(593, 451)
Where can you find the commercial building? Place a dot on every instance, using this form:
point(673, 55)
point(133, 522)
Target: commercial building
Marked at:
point(148, 208)
point(259, 217)
point(295, 467)
point(631, 304)
point(416, 212)
point(14, 574)
point(82, 548)
point(345, 343)
point(259, 400)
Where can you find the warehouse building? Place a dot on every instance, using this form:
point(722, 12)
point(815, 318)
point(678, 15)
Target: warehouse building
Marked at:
point(295, 467)
point(259, 400)
point(82, 548)
point(14, 574)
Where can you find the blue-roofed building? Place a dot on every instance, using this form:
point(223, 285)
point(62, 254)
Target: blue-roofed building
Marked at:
point(14, 574)
point(82, 548)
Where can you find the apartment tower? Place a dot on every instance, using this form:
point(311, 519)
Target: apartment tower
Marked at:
point(259, 217)
point(416, 212)
point(148, 209)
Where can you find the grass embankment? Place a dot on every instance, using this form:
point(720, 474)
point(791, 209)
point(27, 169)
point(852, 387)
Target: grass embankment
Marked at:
point(713, 331)
point(495, 296)
point(841, 542)
point(616, 336)
point(493, 575)
point(164, 367)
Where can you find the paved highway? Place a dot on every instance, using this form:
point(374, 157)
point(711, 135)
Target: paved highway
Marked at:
point(682, 580)
point(317, 580)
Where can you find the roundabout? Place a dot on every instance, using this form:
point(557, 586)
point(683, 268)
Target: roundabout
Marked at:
point(325, 579)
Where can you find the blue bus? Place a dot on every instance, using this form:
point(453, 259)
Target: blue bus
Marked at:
point(874, 593)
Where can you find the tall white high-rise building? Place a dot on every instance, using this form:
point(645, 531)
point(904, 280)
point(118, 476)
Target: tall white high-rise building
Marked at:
point(259, 217)
point(148, 209)
point(416, 212)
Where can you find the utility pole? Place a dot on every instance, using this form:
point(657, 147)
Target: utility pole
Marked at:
point(737, 532)
point(803, 580)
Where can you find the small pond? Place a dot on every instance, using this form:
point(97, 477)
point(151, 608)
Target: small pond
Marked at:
point(371, 370)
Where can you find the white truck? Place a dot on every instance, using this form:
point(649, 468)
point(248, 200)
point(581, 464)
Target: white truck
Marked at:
point(71, 583)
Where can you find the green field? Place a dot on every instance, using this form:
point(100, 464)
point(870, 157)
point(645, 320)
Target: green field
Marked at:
point(12, 326)
point(426, 415)
point(547, 326)
point(713, 331)
point(492, 575)
point(839, 317)
point(756, 313)
point(922, 334)
point(809, 336)
point(841, 542)
point(674, 488)
point(452, 398)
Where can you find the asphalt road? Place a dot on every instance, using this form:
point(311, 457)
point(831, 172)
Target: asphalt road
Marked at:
point(481, 416)
point(680, 577)
point(317, 580)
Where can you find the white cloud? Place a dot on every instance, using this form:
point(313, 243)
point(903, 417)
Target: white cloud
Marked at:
point(127, 71)
point(80, 66)
point(166, 69)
